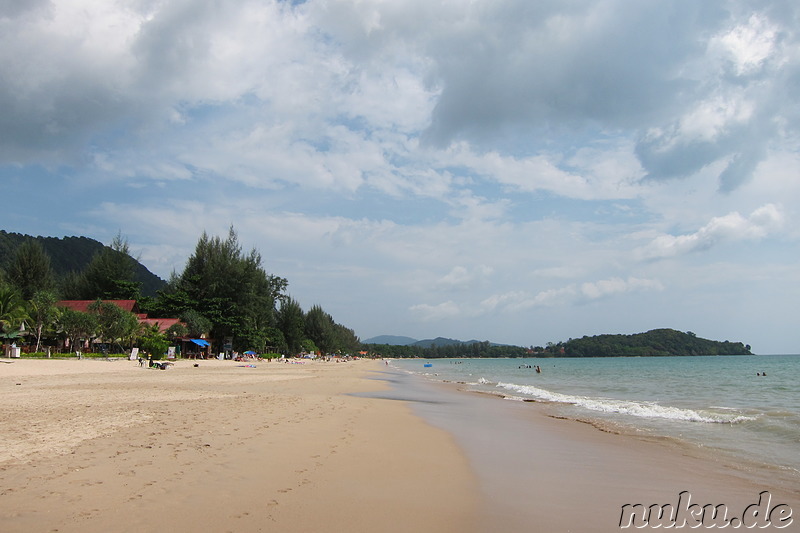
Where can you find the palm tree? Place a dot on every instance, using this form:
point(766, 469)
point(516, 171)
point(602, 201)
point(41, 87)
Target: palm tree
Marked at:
point(13, 313)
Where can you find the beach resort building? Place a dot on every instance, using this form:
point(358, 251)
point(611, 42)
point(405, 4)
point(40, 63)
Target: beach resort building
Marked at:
point(188, 345)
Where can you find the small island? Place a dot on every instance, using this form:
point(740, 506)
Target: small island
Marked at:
point(652, 343)
point(656, 342)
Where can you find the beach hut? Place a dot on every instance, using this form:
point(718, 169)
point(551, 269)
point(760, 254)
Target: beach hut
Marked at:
point(202, 346)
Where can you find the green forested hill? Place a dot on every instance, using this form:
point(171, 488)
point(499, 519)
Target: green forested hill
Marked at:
point(72, 254)
point(654, 342)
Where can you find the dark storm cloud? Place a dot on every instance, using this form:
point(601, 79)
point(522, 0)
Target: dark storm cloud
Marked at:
point(57, 91)
point(612, 63)
point(549, 70)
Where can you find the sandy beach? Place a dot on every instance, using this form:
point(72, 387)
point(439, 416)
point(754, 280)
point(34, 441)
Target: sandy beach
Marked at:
point(108, 446)
point(541, 473)
point(358, 446)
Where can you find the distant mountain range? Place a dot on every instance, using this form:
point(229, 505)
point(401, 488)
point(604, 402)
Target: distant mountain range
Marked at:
point(72, 254)
point(395, 340)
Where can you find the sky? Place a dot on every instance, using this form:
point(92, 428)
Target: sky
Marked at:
point(505, 170)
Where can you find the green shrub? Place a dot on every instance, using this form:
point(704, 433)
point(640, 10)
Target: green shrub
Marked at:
point(70, 355)
point(43, 355)
point(99, 355)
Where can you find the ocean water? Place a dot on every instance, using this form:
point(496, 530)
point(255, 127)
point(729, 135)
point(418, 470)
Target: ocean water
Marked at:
point(718, 402)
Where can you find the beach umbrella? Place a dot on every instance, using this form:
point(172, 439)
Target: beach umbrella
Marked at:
point(249, 352)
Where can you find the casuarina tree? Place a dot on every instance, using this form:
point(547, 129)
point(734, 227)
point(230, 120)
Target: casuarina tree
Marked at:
point(230, 289)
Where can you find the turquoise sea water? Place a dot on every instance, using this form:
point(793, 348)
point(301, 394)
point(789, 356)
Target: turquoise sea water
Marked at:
point(714, 402)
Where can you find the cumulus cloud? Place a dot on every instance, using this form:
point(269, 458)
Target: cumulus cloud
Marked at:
point(748, 45)
point(549, 71)
point(692, 82)
point(574, 293)
point(609, 287)
point(732, 113)
point(464, 278)
point(732, 227)
point(489, 154)
point(546, 65)
point(515, 301)
point(442, 311)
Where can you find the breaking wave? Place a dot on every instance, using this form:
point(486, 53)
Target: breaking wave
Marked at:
point(641, 409)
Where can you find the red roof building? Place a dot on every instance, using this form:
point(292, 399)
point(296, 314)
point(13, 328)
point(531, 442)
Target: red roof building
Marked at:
point(163, 323)
point(130, 306)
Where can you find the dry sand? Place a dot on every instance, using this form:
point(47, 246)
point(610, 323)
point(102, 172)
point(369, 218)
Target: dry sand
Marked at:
point(97, 446)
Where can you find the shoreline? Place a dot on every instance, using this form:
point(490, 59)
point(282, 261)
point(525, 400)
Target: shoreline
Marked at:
point(784, 477)
point(107, 446)
point(560, 475)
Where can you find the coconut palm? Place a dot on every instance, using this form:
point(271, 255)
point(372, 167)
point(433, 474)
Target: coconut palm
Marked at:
point(13, 313)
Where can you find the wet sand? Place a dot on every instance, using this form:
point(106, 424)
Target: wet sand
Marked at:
point(98, 446)
point(538, 473)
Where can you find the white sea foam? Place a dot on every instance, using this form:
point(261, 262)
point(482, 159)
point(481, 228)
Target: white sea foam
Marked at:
point(717, 402)
point(627, 407)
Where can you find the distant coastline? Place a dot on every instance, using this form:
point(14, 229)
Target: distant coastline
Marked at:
point(653, 343)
